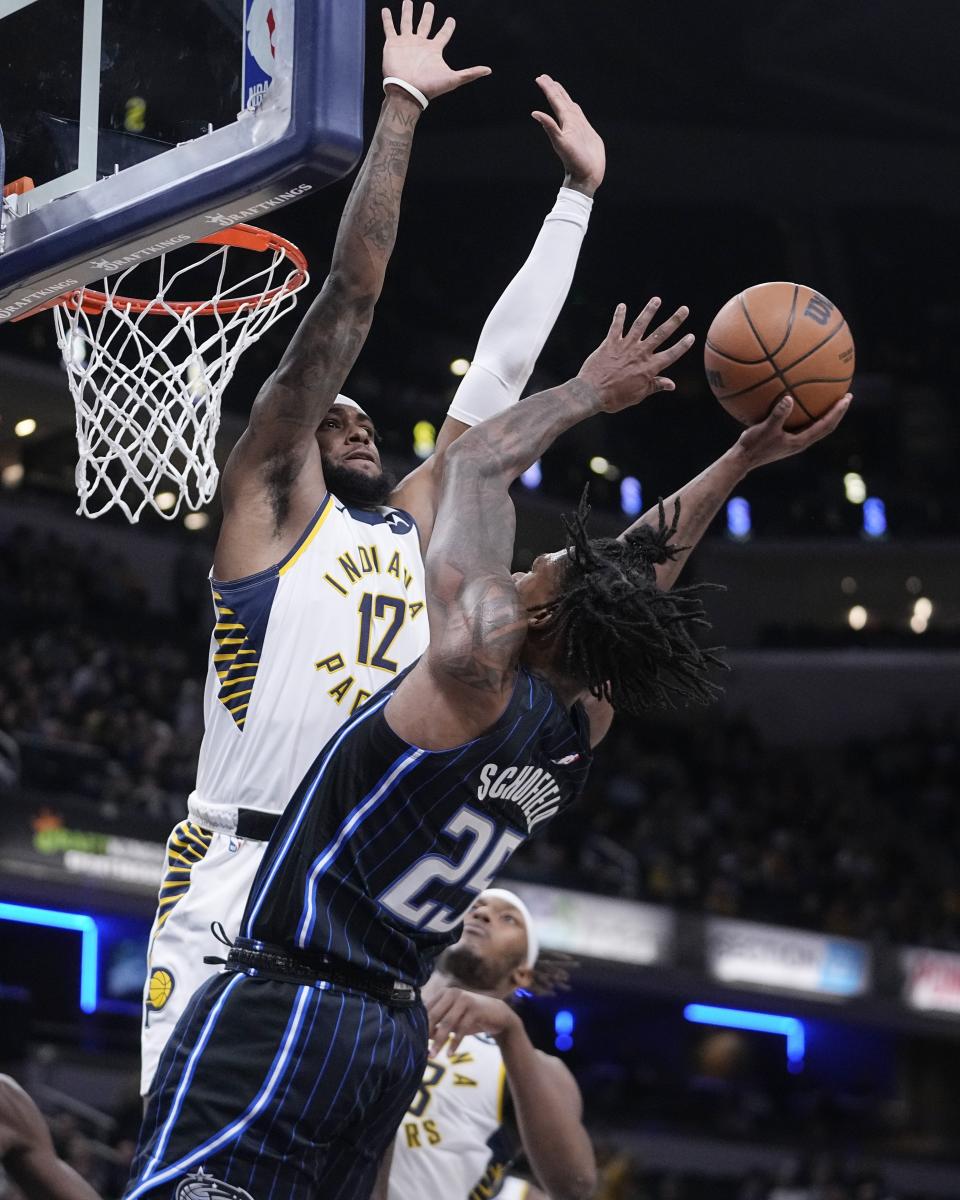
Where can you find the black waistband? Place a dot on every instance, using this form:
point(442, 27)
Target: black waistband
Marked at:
point(258, 826)
point(273, 963)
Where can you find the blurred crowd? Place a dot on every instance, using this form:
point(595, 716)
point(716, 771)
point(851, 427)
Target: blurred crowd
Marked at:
point(101, 698)
point(856, 840)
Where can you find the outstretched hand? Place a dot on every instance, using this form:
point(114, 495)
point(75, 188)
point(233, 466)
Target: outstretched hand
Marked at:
point(417, 58)
point(769, 441)
point(455, 1014)
point(578, 145)
point(626, 367)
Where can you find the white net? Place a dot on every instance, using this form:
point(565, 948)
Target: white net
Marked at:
point(147, 380)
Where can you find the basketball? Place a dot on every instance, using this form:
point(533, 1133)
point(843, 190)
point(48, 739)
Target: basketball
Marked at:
point(775, 338)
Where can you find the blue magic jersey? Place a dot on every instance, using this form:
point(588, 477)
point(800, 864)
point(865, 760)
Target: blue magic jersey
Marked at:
point(384, 846)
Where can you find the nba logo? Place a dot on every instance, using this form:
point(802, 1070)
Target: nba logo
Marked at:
point(259, 52)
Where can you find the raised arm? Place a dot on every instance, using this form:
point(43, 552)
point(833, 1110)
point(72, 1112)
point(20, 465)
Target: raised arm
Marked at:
point(701, 498)
point(477, 622)
point(520, 322)
point(546, 1099)
point(27, 1152)
point(273, 480)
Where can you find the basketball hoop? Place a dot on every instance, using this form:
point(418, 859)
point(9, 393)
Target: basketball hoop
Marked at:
point(148, 395)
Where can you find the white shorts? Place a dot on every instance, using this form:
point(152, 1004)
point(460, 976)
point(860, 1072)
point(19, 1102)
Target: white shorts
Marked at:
point(207, 879)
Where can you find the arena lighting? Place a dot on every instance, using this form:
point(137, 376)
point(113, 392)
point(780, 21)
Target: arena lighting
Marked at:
point(923, 608)
point(599, 465)
point(857, 617)
point(424, 439)
point(12, 476)
point(631, 497)
point(54, 919)
point(854, 488)
point(914, 585)
point(739, 523)
point(739, 1018)
point(874, 517)
point(25, 427)
point(166, 500)
point(532, 476)
point(563, 1024)
point(848, 585)
point(918, 624)
point(459, 367)
point(195, 521)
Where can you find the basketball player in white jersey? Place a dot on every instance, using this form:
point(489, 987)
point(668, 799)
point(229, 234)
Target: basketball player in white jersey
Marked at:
point(451, 1142)
point(318, 581)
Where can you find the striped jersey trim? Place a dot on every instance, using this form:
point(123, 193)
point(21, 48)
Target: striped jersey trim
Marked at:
point(187, 845)
point(309, 534)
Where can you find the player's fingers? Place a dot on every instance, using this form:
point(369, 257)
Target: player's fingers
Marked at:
point(664, 332)
point(825, 424)
point(616, 325)
point(455, 1040)
point(469, 74)
point(389, 29)
point(426, 20)
point(666, 358)
point(780, 412)
point(445, 32)
point(639, 327)
point(437, 1011)
point(660, 384)
point(552, 93)
point(563, 93)
point(548, 123)
point(406, 17)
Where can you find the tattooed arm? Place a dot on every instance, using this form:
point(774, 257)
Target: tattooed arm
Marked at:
point(273, 480)
point(701, 499)
point(478, 625)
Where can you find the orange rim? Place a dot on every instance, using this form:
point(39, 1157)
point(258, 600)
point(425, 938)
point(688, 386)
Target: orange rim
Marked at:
point(245, 237)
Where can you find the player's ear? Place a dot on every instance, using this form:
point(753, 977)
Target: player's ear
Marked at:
point(521, 977)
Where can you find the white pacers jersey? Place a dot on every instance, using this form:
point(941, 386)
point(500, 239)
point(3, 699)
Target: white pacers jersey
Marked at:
point(300, 646)
point(450, 1145)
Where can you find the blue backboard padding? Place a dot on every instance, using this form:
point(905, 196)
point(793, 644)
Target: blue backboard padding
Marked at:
point(200, 186)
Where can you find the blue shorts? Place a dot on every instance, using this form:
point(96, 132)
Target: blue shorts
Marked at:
point(269, 1090)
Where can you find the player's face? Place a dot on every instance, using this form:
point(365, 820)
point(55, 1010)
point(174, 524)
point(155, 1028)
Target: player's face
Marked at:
point(347, 438)
point(538, 586)
point(492, 948)
point(351, 460)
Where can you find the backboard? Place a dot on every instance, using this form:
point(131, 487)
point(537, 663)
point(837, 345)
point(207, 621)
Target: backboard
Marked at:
point(146, 125)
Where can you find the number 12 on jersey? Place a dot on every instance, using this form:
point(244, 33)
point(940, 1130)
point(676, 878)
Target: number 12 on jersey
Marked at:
point(378, 608)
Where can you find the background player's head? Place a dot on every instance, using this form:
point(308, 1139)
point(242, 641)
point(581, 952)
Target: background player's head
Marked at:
point(599, 621)
point(499, 951)
point(348, 451)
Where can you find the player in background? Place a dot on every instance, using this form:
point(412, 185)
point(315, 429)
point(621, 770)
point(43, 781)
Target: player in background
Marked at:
point(319, 596)
point(27, 1151)
point(289, 1072)
point(452, 1141)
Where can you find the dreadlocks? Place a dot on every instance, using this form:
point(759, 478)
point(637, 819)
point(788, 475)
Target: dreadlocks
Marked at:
point(621, 636)
point(550, 974)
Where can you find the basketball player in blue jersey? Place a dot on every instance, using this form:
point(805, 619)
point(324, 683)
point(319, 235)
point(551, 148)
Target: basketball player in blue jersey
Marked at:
point(318, 574)
point(289, 1073)
point(453, 1140)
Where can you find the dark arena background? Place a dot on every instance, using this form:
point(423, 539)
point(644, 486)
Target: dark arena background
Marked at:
point(764, 896)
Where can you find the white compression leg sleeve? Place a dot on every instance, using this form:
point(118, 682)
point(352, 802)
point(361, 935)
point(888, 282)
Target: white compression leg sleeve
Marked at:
point(521, 320)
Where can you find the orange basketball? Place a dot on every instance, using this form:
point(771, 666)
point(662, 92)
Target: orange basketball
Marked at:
point(775, 338)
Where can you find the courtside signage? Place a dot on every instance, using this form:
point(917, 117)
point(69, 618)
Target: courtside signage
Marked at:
point(789, 959)
point(600, 927)
point(931, 980)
